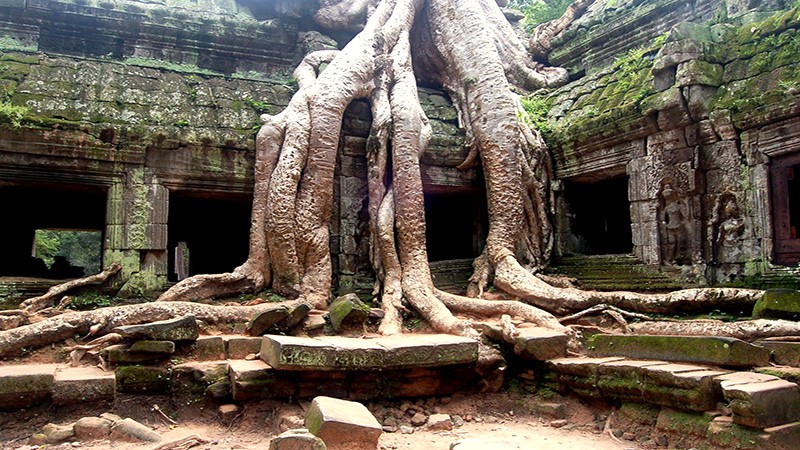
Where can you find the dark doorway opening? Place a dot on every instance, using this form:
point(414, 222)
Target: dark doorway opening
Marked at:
point(456, 225)
point(70, 219)
point(599, 216)
point(785, 199)
point(208, 233)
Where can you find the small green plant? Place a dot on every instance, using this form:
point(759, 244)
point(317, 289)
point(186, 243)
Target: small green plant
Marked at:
point(12, 114)
point(181, 123)
point(89, 300)
point(259, 106)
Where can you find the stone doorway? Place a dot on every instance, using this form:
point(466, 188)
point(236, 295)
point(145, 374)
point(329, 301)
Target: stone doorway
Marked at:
point(456, 224)
point(208, 232)
point(62, 213)
point(598, 216)
point(785, 199)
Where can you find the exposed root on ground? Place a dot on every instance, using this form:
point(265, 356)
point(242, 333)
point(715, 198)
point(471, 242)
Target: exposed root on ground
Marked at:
point(55, 293)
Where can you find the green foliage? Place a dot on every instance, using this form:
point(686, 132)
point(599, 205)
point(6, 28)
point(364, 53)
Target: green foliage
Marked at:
point(260, 107)
point(537, 109)
point(89, 300)
point(12, 114)
point(167, 65)
point(539, 11)
point(181, 123)
point(81, 248)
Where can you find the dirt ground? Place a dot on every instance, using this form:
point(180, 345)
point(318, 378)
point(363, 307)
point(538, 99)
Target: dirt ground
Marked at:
point(505, 420)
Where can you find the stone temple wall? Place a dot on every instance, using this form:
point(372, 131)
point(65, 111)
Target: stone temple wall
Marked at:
point(155, 105)
point(694, 118)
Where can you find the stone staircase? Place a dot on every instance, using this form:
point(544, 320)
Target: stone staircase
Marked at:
point(724, 383)
point(614, 272)
point(242, 368)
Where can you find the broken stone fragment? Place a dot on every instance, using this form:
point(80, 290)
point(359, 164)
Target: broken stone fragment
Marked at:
point(228, 412)
point(299, 439)
point(260, 323)
point(348, 311)
point(181, 329)
point(440, 422)
point(343, 425)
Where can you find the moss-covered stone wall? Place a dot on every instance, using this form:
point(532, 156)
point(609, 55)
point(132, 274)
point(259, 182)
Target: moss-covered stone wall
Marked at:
point(696, 112)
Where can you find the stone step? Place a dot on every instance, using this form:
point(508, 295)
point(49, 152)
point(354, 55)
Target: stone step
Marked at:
point(614, 272)
point(756, 400)
point(383, 353)
point(23, 386)
point(783, 353)
point(710, 350)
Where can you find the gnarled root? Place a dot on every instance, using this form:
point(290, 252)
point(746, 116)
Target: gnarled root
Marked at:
point(64, 326)
point(745, 329)
point(55, 293)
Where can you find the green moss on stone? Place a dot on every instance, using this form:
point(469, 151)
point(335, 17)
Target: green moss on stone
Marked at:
point(778, 304)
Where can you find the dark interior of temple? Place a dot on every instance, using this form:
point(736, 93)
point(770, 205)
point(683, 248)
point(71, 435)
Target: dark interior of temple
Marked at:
point(456, 225)
point(599, 214)
point(214, 229)
point(31, 206)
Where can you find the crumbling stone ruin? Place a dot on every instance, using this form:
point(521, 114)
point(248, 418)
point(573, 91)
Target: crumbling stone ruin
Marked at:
point(673, 140)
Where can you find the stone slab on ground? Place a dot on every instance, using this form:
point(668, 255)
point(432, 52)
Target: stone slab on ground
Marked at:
point(711, 350)
point(343, 425)
point(181, 329)
point(256, 379)
point(540, 344)
point(300, 439)
point(194, 380)
point(83, 385)
point(762, 403)
point(22, 386)
point(384, 353)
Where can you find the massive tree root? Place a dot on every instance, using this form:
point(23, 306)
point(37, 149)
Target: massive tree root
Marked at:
point(468, 48)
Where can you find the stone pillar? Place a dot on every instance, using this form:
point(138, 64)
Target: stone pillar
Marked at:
point(136, 231)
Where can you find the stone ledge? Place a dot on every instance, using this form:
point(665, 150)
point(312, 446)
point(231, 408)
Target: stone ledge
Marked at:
point(384, 353)
point(718, 351)
point(25, 386)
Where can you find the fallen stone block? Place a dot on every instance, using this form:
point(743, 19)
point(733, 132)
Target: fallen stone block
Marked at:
point(83, 385)
point(129, 430)
point(578, 374)
point(142, 380)
point(440, 422)
point(623, 379)
point(228, 412)
point(55, 434)
point(92, 428)
point(540, 344)
point(23, 386)
point(764, 404)
point(257, 380)
point(261, 322)
point(238, 347)
point(181, 329)
point(778, 304)
point(684, 387)
point(348, 311)
point(711, 350)
point(343, 425)
point(209, 348)
point(191, 381)
point(299, 439)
